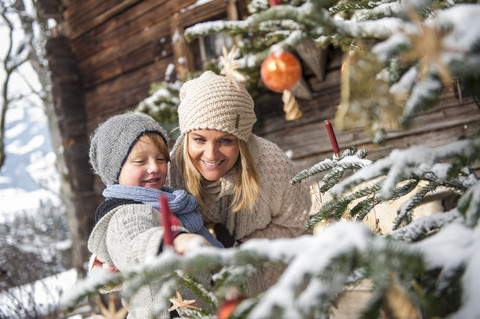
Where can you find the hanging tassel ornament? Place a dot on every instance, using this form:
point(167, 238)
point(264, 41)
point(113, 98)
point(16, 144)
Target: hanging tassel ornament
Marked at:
point(365, 99)
point(290, 106)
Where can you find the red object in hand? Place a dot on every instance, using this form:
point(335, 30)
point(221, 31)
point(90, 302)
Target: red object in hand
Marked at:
point(333, 139)
point(274, 3)
point(281, 70)
point(168, 220)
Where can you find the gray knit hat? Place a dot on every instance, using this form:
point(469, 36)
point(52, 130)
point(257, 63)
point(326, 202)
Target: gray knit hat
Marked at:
point(212, 102)
point(112, 141)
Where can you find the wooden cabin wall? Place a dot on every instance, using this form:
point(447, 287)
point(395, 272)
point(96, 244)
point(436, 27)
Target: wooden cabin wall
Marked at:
point(121, 48)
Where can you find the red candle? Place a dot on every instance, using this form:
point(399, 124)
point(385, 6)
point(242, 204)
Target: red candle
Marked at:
point(166, 221)
point(333, 139)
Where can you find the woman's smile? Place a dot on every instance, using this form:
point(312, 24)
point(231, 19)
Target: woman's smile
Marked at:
point(212, 164)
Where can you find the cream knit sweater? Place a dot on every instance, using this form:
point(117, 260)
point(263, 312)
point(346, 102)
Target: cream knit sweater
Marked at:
point(281, 211)
point(127, 236)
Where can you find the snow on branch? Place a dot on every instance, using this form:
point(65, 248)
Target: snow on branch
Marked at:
point(422, 226)
point(351, 158)
point(469, 205)
point(401, 164)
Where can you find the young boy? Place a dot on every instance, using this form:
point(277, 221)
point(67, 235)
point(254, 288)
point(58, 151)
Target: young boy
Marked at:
point(129, 152)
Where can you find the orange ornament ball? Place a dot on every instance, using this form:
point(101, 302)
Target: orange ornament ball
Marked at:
point(280, 71)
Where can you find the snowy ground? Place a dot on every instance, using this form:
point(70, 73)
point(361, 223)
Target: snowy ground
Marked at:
point(41, 296)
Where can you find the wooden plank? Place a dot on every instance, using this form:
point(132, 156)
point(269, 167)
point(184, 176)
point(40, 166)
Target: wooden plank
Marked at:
point(117, 51)
point(91, 15)
point(129, 55)
point(83, 16)
point(432, 139)
point(123, 92)
point(113, 32)
point(205, 12)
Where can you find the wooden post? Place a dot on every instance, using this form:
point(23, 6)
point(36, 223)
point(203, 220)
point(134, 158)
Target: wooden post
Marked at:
point(183, 64)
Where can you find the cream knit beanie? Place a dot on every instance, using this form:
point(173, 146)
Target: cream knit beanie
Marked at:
point(212, 102)
point(113, 140)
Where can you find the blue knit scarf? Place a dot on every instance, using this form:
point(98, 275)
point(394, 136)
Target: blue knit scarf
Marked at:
point(183, 204)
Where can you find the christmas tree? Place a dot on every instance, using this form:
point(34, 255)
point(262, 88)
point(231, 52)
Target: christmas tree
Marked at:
point(425, 267)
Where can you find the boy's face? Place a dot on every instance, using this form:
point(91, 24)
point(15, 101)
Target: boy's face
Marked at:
point(145, 166)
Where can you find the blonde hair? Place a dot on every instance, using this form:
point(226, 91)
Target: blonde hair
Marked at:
point(159, 142)
point(247, 189)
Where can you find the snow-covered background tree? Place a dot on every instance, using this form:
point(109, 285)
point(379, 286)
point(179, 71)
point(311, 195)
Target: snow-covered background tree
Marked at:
point(401, 54)
point(36, 242)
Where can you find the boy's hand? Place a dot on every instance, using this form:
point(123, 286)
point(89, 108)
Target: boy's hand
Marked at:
point(98, 262)
point(181, 242)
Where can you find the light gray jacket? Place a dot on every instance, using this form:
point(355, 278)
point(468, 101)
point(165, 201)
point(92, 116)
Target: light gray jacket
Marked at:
point(127, 235)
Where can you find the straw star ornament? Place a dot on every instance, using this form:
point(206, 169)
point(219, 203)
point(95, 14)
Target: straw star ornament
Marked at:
point(230, 67)
point(427, 48)
point(179, 303)
point(111, 312)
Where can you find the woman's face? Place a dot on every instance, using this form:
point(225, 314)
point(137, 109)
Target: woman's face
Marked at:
point(212, 152)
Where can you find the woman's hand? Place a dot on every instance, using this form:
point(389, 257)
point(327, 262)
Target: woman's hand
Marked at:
point(181, 242)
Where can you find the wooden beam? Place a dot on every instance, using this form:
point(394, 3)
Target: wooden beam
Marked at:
point(182, 56)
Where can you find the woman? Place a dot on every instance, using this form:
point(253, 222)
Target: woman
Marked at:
point(240, 180)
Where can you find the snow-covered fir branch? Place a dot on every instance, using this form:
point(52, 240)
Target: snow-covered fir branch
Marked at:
point(351, 158)
point(320, 266)
point(420, 227)
point(469, 205)
point(401, 163)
